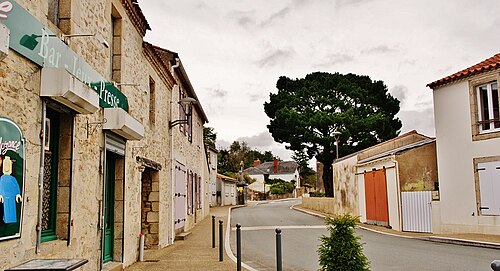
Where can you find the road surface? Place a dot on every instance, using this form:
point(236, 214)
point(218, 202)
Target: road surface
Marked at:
point(300, 240)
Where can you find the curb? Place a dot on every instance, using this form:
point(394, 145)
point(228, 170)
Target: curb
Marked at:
point(227, 245)
point(463, 242)
point(436, 239)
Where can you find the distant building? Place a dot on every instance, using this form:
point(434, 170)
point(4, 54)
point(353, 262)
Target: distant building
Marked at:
point(285, 170)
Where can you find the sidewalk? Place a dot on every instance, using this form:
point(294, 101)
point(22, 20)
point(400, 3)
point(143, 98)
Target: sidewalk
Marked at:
point(194, 253)
point(467, 239)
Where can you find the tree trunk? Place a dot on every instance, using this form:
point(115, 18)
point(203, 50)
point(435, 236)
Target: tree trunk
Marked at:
point(328, 178)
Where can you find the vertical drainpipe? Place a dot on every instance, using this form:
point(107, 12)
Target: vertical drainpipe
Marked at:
point(171, 184)
point(40, 178)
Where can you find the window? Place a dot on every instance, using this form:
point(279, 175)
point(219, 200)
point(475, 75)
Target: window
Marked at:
point(190, 192)
point(489, 188)
point(59, 13)
point(116, 45)
point(182, 113)
point(57, 176)
point(488, 109)
point(152, 101)
point(198, 192)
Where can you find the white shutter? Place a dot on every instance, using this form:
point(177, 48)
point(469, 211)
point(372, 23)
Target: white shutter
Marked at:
point(489, 188)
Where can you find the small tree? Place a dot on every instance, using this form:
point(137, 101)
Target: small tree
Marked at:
point(342, 251)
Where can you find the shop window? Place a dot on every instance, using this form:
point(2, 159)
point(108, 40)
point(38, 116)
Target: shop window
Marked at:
point(152, 101)
point(488, 109)
point(57, 176)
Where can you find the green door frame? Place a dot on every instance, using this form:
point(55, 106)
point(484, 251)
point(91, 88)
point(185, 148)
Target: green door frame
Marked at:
point(109, 206)
point(50, 233)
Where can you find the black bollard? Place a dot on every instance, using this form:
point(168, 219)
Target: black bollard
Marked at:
point(495, 265)
point(238, 247)
point(279, 266)
point(221, 256)
point(213, 231)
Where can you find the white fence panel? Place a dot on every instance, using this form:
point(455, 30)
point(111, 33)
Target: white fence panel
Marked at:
point(417, 211)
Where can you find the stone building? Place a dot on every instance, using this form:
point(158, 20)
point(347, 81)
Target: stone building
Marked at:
point(101, 132)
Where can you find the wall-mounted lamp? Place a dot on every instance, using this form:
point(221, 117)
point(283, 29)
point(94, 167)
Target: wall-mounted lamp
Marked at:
point(101, 40)
point(186, 104)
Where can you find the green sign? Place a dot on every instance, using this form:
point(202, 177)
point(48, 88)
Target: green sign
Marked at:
point(33, 40)
point(11, 179)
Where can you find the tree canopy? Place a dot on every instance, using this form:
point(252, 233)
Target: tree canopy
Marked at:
point(229, 160)
point(311, 113)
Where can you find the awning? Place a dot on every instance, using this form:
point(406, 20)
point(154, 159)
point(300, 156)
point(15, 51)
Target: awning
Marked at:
point(121, 123)
point(60, 85)
point(4, 41)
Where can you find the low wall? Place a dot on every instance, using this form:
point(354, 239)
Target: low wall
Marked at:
point(324, 205)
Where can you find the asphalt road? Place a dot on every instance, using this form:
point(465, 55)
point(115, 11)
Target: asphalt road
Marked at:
point(300, 240)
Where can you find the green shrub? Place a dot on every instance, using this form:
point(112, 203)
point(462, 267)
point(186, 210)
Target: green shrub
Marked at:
point(317, 194)
point(342, 251)
point(281, 187)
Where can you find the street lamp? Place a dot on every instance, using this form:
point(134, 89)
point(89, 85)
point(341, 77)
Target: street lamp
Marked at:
point(336, 135)
point(187, 101)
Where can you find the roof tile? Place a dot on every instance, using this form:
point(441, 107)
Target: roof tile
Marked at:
point(486, 65)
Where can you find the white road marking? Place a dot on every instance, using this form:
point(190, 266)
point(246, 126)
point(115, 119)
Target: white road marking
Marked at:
point(259, 228)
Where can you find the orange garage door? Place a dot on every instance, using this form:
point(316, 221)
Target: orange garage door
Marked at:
point(377, 211)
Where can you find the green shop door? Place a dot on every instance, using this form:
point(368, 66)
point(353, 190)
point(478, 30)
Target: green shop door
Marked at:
point(109, 207)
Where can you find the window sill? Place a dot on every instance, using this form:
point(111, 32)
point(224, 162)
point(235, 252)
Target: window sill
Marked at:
point(485, 135)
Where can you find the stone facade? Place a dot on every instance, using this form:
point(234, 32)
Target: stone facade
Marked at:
point(142, 175)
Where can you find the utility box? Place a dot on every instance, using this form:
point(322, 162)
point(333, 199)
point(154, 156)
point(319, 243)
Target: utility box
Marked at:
point(4, 41)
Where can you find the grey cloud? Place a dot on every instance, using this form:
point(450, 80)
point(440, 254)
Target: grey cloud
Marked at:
point(280, 14)
point(420, 120)
point(343, 3)
point(243, 18)
point(255, 97)
point(223, 144)
point(262, 140)
point(217, 93)
point(399, 92)
point(334, 59)
point(381, 49)
point(275, 57)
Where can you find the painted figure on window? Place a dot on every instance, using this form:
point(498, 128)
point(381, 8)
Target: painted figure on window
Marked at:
point(9, 192)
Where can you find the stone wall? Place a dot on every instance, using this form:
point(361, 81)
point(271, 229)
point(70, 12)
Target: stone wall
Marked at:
point(323, 205)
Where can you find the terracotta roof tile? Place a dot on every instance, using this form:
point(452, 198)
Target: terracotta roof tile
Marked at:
point(486, 65)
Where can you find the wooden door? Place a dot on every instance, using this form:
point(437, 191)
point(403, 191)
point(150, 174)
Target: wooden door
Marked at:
point(377, 211)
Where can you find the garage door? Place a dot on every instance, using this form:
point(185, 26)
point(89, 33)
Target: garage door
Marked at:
point(377, 211)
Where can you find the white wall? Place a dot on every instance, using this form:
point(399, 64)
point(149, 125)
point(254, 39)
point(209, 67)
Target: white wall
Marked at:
point(455, 153)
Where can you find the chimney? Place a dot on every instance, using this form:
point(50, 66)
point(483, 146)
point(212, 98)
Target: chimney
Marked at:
point(276, 165)
point(256, 163)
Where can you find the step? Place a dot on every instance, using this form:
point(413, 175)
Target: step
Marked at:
point(182, 236)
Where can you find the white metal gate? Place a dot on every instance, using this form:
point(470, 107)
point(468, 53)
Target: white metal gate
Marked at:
point(417, 211)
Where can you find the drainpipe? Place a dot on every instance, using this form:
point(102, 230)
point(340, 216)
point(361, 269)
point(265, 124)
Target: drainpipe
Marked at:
point(40, 178)
point(172, 167)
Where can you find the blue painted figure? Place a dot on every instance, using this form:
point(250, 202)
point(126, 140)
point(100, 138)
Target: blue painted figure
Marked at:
point(9, 192)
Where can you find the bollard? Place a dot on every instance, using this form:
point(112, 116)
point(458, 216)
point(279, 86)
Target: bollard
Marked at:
point(279, 267)
point(238, 247)
point(141, 247)
point(213, 231)
point(221, 256)
point(495, 265)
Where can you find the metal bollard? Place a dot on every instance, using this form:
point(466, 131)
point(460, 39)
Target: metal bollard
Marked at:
point(213, 231)
point(279, 266)
point(221, 245)
point(495, 265)
point(238, 247)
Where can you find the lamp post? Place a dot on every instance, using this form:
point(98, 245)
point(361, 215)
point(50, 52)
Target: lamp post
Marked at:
point(336, 135)
point(187, 101)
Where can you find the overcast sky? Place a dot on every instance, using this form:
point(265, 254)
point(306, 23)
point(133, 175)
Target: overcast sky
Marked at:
point(235, 50)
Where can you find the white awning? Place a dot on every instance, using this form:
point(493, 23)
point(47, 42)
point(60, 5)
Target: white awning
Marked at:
point(121, 123)
point(4, 41)
point(60, 85)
